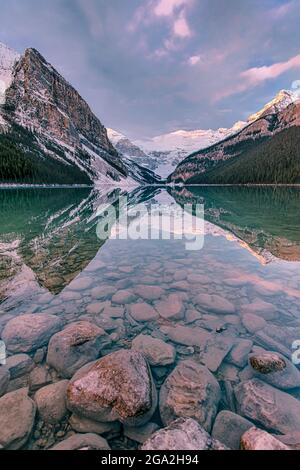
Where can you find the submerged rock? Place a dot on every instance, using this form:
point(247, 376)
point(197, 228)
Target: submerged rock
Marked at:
point(17, 413)
point(4, 379)
point(19, 364)
point(83, 442)
point(85, 425)
point(253, 323)
point(123, 297)
point(51, 402)
point(267, 406)
point(76, 345)
point(156, 351)
point(275, 369)
point(240, 352)
point(256, 439)
point(188, 336)
point(142, 433)
point(215, 303)
point(172, 308)
point(147, 292)
point(229, 428)
point(29, 332)
point(143, 312)
point(215, 351)
point(190, 391)
point(118, 387)
point(260, 308)
point(182, 434)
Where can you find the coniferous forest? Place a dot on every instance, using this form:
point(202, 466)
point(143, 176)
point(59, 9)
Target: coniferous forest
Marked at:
point(272, 161)
point(22, 161)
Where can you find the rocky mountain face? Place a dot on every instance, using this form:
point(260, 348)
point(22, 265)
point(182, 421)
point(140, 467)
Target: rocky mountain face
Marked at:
point(60, 124)
point(282, 113)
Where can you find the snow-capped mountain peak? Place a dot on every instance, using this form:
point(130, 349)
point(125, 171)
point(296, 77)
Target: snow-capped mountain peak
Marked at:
point(8, 58)
point(281, 101)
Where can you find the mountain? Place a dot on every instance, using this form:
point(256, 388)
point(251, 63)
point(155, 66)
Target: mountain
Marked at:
point(252, 148)
point(48, 132)
point(163, 153)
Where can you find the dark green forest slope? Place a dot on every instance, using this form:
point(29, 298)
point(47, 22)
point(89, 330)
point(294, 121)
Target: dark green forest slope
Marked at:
point(22, 161)
point(272, 161)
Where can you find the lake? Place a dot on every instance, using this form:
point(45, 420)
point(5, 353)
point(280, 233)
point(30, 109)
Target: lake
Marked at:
point(239, 294)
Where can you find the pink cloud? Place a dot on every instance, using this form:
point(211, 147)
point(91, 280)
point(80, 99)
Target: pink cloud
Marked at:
point(255, 76)
point(181, 27)
point(168, 7)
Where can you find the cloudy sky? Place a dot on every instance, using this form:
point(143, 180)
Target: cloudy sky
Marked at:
point(148, 67)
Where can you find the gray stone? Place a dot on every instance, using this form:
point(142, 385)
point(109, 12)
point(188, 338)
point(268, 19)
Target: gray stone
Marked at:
point(240, 352)
point(84, 425)
point(81, 283)
point(256, 439)
point(275, 369)
point(156, 351)
point(188, 336)
point(142, 433)
point(171, 308)
point(262, 309)
point(102, 292)
point(215, 351)
point(123, 297)
point(292, 440)
point(39, 377)
point(267, 406)
point(68, 296)
point(253, 323)
point(229, 428)
point(182, 434)
point(29, 332)
point(190, 391)
point(76, 345)
point(147, 292)
point(215, 303)
point(19, 364)
point(51, 402)
point(17, 413)
point(4, 379)
point(83, 442)
point(143, 312)
point(118, 387)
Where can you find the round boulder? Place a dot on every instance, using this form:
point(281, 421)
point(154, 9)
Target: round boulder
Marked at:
point(29, 332)
point(51, 402)
point(75, 346)
point(118, 387)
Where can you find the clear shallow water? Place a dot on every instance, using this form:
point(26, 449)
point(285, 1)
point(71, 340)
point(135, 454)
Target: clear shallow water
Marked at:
point(53, 262)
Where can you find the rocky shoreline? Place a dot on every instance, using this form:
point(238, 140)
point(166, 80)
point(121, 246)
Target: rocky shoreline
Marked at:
point(60, 390)
point(155, 357)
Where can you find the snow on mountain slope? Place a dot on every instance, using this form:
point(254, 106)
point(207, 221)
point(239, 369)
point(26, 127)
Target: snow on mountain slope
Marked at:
point(8, 58)
point(164, 152)
point(189, 141)
point(41, 107)
point(281, 101)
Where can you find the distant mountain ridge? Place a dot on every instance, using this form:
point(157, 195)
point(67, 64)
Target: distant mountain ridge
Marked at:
point(164, 153)
point(279, 115)
point(50, 129)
